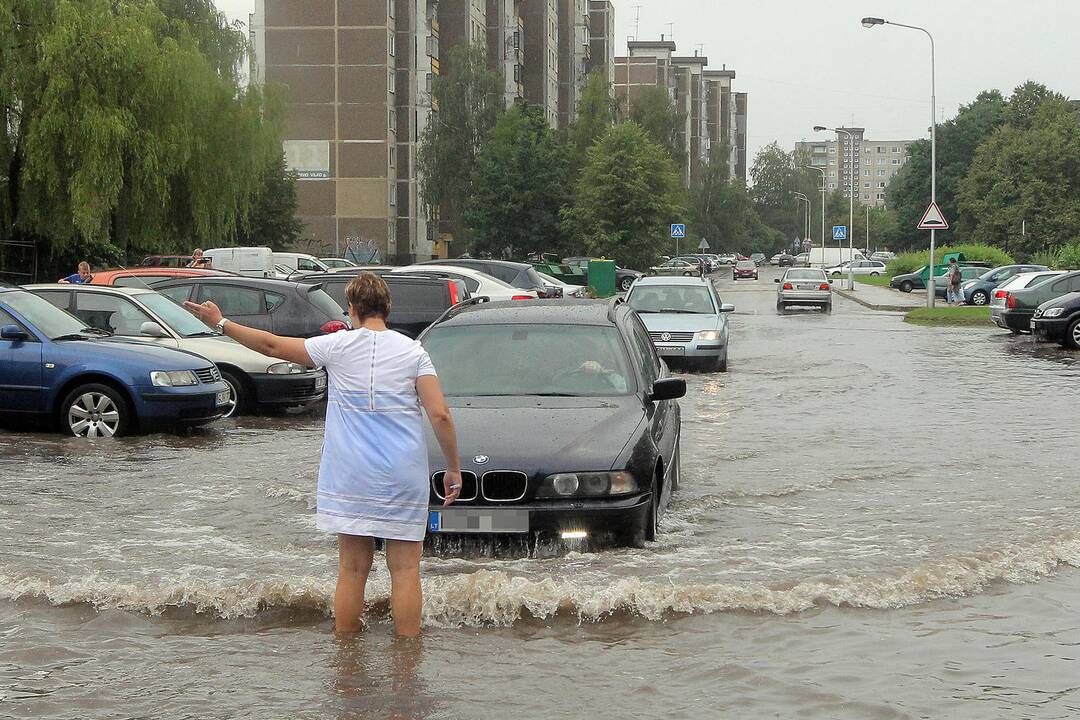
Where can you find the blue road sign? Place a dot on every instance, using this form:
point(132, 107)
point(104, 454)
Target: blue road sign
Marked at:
point(678, 230)
point(839, 232)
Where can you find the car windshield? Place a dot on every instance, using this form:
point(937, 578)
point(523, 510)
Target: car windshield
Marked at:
point(499, 360)
point(745, 264)
point(672, 299)
point(46, 317)
point(180, 320)
point(808, 274)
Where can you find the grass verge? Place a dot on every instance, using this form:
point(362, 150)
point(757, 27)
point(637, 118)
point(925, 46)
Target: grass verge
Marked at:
point(949, 316)
point(878, 280)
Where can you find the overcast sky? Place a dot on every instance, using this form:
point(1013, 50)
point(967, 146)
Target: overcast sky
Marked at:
point(812, 63)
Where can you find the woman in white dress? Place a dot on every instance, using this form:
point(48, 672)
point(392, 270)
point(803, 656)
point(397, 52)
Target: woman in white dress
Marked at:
point(373, 476)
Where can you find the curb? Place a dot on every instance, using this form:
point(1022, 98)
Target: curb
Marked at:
point(884, 308)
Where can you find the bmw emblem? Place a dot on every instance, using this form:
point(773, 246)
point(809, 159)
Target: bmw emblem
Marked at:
point(481, 459)
point(665, 337)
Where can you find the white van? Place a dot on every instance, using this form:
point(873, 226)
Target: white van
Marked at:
point(300, 262)
point(249, 261)
point(831, 257)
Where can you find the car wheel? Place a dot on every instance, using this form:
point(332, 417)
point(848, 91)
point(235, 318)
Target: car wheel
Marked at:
point(836, 274)
point(980, 297)
point(874, 274)
point(625, 284)
point(780, 307)
point(722, 365)
point(238, 400)
point(688, 274)
point(827, 307)
point(905, 286)
point(651, 273)
point(676, 468)
point(1072, 337)
point(94, 410)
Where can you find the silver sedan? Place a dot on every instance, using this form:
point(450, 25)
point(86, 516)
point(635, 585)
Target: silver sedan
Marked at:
point(804, 286)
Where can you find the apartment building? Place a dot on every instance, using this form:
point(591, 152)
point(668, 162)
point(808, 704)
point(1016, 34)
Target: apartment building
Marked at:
point(357, 77)
point(574, 49)
point(601, 39)
point(540, 19)
point(871, 164)
point(721, 118)
point(740, 135)
point(461, 22)
point(506, 47)
point(690, 102)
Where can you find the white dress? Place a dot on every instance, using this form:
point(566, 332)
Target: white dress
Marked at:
point(373, 476)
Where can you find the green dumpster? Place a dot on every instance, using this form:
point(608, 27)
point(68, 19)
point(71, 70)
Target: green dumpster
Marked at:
point(602, 277)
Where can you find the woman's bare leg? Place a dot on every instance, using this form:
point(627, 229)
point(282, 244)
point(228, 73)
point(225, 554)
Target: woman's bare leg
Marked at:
point(354, 563)
point(403, 559)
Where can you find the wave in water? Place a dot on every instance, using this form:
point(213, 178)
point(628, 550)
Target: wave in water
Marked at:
point(495, 597)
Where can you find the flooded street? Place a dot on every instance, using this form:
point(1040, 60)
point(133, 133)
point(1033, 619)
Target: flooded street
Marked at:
point(875, 520)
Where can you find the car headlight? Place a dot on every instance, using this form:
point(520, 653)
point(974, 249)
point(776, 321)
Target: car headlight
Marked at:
point(1053, 312)
point(285, 368)
point(173, 378)
point(708, 335)
point(587, 484)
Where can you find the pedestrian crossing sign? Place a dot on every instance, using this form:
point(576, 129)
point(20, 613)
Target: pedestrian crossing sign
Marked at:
point(839, 232)
point(678, 230)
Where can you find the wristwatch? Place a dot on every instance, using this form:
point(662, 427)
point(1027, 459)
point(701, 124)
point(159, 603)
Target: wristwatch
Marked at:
point(220, 326)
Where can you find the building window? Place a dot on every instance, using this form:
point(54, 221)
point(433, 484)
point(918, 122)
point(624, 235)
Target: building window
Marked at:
point(866, 185)
point(896, 161)
point(865, 196)
point(866, 173)
point(881, 185)
point(389, 81)
point(832, 186)
point(880, 149)
point(390, 43)
point(881, 196)
point(896, 150)
point(832, 151)
point(391, 119)
point(881, 173)
point(390, 8)
point(390, 155)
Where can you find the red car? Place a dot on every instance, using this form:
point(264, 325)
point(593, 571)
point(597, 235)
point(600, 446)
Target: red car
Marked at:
point(142, 276)
point(744, 269)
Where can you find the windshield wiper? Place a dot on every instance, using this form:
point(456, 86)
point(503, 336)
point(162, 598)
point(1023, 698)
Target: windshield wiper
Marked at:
point(204, 333)
point(553, 394)
point(95, 331)
point(73, 336)
point(673, 311)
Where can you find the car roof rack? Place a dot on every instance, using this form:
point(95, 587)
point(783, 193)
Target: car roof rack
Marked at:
point(612, 304)
point(455, 309)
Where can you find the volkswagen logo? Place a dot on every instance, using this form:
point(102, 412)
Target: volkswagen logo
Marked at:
point(665, 337)
point(481, 459)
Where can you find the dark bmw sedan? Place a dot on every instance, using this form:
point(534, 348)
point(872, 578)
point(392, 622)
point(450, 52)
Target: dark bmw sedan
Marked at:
point(581, 444)
point(1059, 321)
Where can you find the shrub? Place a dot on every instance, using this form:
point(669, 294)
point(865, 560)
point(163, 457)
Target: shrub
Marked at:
point(905, 263)
point(977, 253)
point(1047, 258)
point(1069, 257)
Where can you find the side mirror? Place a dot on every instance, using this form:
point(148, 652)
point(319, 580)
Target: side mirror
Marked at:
point(727, 307)
point(13, 332)
point(668, 389)
point(776, 280)
point(152, 329)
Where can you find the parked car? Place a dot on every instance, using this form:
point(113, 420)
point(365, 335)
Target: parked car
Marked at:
point(858, 267)
point(565, 289)
point(801, 260)
point(417, 300)
point(255, 262)
point(520, 275)
point(677, 267)
point(804, 286)
point(58, 370)
point(1058, 320)
point(624, 278)
point(702, 263)
point(338, 263)
point(255, 381)
point(978, 291)
point(917, 280)
point(299, 262)
point(744, 269)
point(583, 445)
point(685, 319)
point(714, 261)
point(279, 306)
point(173, 261)
point(147, 276)
point(729, 259)
point(883, 256)
point(785, 260)
point(477, 283)
point(1016, 282)
point(1020, 305)
point(759, 259)
point(967, 273)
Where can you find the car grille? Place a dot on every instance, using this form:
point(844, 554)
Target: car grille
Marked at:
point(1038, 313)
point(677, 337)
point(208, 375)
point(298, 391)
point(468, 485)
point(504, 485)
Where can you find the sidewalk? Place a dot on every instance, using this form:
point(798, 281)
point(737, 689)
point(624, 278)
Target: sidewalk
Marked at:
point(879, 298)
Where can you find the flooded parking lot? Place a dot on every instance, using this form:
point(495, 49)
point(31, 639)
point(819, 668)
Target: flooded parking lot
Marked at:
point(875, 520)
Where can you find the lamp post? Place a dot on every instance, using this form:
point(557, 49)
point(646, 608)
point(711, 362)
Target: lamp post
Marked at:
point(851, 203)
point(869, 22)
point(822, 171)
point(806, 220)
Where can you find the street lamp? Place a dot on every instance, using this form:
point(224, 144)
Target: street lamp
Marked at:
point(806, 224)
point(851, 203)
point(822, 171)
point(869, 22)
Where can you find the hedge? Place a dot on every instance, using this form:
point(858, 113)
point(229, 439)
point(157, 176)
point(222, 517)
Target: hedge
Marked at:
point(912, 261)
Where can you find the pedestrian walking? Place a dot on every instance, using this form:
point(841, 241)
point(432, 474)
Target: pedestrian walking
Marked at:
point(953, 290)
point(82, 277)
point(373, 476)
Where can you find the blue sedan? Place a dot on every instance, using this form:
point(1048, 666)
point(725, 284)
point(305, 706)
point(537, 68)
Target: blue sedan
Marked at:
point(53, 367)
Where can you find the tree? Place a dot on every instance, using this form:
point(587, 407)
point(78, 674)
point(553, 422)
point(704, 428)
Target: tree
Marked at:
point(721, 212)
point(596, 113)
point(628, 194)
point(272, 219)
point(653, 110)
point(465, 105)
point(519, 187)
point(121, 135)
point(775, 182)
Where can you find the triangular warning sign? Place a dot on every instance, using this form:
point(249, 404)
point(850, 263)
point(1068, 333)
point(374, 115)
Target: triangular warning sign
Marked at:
point(932, 219)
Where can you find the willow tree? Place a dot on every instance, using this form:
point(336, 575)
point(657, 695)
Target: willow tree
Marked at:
point(127, 128)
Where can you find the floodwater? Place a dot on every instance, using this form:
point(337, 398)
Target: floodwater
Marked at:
point(875, 520)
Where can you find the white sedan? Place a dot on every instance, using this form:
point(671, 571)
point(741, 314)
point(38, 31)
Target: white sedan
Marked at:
point(568, 291)
point(859, 267)
point(477, 282)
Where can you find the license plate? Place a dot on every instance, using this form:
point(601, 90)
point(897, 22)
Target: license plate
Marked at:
point(677, 351)
point(320, 382)
point(222, 398)
point(804, 286)
point(468, 520)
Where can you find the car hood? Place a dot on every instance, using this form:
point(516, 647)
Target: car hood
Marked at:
point(226, 350)
point(540, 435)
point(113, 350)
point(679, 322)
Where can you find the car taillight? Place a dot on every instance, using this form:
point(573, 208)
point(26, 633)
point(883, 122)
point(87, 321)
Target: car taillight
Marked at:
point(332, 326)
point(823, 286)
point(1001, 293)
point(523, 297)
point(788, 286)
point(1010, 300)
point(453, 291)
